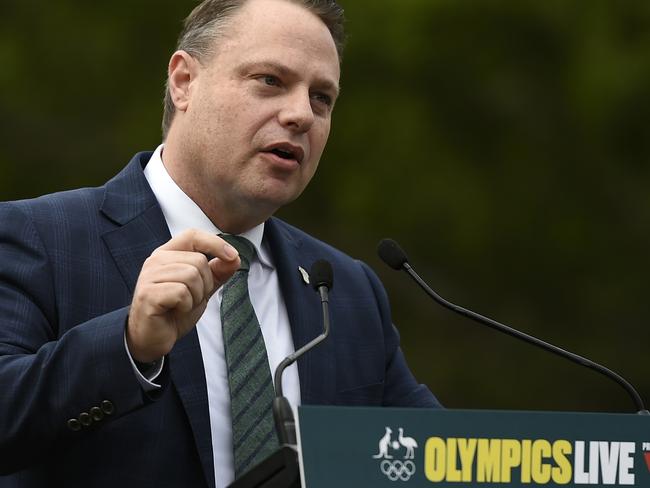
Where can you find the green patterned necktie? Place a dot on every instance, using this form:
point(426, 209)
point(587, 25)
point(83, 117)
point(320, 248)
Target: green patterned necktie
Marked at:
point(249, 376)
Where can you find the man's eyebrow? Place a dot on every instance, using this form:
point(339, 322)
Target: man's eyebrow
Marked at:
point(281, 69)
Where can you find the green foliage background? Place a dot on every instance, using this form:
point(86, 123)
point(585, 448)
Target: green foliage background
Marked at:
point(504, 143)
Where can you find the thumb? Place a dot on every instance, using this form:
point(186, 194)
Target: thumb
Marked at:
point(222, 271)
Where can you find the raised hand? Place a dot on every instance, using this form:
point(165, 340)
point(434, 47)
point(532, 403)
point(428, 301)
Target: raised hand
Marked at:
point(173, 290)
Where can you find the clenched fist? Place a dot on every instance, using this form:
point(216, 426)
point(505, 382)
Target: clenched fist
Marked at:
point(173, 290)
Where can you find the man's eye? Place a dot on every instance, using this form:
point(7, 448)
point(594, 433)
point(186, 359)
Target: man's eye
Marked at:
point(322, 98)
point(270, 80)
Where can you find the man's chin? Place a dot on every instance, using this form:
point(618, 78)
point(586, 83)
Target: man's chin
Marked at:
point(271, 199)
point(280, 191)
point(273, 203)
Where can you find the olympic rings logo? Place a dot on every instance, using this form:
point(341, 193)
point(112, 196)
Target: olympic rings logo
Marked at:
point(398, 470)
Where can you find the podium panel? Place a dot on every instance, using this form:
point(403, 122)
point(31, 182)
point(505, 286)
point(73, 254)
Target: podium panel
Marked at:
point(390, 447)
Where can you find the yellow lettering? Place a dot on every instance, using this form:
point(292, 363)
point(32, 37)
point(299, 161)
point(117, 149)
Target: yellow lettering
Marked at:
point(453, 460)
point(453, 473)
point(563, 472)
point(541, 471)
point(467, 450)
point(510, 458)
point(435, 459)
point(525, 460)
point(488, 461)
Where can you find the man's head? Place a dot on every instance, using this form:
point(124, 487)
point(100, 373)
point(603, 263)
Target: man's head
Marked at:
point(207, 22)
point(253, 107)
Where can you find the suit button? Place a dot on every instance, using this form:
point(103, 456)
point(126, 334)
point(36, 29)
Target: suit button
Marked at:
point(85, 419)
point(74, 425)
point(107, 407)
point(96, 414)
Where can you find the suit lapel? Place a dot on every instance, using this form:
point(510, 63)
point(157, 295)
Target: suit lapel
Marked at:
point(133, 242)
point(131, 204)
point(141, 228)
point(317, 368)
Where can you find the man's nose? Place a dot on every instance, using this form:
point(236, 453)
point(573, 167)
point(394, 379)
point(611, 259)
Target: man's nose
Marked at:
point(297, 112)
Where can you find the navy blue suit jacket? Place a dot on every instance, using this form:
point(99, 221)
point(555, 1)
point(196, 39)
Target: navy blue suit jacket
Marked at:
point(68, 266)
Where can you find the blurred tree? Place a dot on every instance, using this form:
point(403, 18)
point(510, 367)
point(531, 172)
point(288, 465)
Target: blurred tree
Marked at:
point(505, 143)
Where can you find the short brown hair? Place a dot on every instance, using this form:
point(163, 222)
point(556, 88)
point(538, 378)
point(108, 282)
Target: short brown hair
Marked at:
point(208, 19)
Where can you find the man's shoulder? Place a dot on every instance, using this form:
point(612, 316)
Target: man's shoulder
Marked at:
point(307, 242)
point(72, 205)
point(53, 205)
point(347, 268)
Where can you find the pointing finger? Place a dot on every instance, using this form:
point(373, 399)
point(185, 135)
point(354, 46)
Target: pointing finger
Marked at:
point(195, 240)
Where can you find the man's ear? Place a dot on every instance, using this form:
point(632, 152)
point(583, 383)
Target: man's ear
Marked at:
point(182, 71)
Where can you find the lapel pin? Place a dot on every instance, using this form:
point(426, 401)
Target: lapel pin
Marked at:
point(304, 274)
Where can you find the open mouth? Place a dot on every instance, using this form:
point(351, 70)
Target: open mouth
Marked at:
point(286, 151)
point(284, 154)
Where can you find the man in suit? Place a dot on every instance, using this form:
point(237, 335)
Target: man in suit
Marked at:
point(114, 365)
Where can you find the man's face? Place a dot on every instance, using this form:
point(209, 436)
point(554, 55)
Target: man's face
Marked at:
point(259, 110)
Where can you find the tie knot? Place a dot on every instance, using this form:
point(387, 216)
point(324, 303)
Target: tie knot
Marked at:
point(244, 247)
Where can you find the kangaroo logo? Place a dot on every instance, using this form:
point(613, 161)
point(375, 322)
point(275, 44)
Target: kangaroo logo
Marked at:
point(395, 469)
point(384, 443)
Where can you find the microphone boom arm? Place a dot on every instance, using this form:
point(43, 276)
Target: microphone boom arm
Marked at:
point(285, 423)
point(530, 339)
point(291, 358)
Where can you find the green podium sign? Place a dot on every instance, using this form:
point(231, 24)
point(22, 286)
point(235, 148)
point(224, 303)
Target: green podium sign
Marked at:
point(390, 447)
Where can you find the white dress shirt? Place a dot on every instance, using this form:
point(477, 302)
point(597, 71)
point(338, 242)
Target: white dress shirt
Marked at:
point(181, 213)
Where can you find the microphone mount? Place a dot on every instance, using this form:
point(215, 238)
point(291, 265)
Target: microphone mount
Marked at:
point(392, 254)
point(322, 281)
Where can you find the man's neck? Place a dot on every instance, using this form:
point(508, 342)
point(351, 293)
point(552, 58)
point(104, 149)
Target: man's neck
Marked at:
point(229, 217)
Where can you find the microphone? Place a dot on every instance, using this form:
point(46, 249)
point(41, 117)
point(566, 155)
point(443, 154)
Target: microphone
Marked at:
point(392, 254)
point(321, 278)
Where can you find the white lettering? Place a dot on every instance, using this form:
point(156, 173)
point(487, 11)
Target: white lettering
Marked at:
point(580, 477)
point(612, 460)
point(646, 446)
point(626, 463)
point(608, 452)
point(593, 462)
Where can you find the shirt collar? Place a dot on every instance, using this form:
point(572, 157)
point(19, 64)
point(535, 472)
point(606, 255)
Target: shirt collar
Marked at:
point(181, 213)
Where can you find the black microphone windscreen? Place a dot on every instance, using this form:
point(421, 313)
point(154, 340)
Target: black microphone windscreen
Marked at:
point(321, 274)
point(392, 254)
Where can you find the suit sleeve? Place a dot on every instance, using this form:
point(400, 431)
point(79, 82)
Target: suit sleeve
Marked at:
point(401, 389)
point(48, 377)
